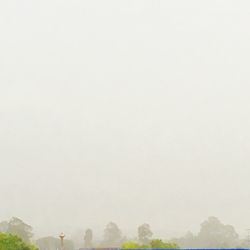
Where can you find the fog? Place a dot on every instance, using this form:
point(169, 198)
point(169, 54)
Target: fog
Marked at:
point(126, 111)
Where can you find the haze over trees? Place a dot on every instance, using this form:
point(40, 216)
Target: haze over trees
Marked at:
point(17, 227)
point(105, 104)
point(88, 238)
point(213, 234)
point(52, 243)
point(112, 235)
point(144, 233)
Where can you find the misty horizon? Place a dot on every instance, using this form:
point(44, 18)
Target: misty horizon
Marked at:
point(126, 111)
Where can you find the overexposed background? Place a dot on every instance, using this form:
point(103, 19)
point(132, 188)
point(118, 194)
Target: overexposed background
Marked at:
point(126, 111)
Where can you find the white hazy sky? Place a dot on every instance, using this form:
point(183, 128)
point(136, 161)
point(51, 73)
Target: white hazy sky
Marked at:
point(126, 111)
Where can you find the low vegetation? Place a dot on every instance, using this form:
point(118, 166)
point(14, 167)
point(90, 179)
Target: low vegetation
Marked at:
point(156, 244)
point(13, 242)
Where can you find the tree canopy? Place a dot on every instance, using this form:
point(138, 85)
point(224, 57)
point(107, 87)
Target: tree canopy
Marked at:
point(213, 234)
point(144, 233)
point(112, 236)
point(17, 227)
point(88, 237)
point(13, 242)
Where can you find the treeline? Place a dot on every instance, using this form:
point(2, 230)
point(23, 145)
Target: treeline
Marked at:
point(213, 234)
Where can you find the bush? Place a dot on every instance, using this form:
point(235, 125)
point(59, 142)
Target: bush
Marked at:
point(160, 244)
point(156, 244)
point(13, 242)
point(134, 245)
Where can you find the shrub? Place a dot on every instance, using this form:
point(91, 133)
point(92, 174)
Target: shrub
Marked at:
point(157, 244)
point(13, 242)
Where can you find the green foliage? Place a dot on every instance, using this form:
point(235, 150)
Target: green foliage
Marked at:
point(17, 227)
point(134, 245)
point(13, 242)
point(157, 243)
point(130, 245)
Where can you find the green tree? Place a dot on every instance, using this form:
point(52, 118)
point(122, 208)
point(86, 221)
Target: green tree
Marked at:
point(13, 242)
point(17, 227)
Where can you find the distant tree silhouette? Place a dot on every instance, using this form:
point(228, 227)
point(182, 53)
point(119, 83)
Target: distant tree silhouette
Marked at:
point(88, 237)
point(112, 236)
point(189, 240)
point(17, 227)
point(144, 233)
point(215, 234)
